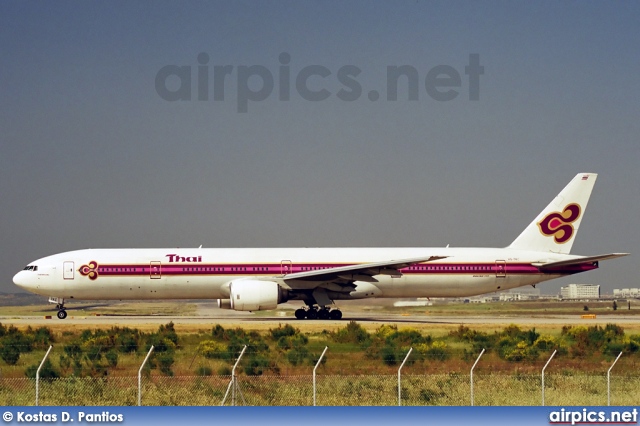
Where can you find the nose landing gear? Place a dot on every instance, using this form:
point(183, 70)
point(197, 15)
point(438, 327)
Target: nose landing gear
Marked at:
point(62, 314)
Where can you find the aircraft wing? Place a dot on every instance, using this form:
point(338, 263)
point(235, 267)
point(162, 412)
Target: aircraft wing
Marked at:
point(343, 276)
point(579, 260)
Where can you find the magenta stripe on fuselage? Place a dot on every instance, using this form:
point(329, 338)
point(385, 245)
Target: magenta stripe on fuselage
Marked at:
point(278, 269)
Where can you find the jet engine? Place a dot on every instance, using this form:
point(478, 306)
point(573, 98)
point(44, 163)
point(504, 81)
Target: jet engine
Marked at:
point(253, 295)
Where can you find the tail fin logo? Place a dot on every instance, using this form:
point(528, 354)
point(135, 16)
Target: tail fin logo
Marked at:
point(559, 224)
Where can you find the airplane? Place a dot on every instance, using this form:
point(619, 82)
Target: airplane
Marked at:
point(253, 279)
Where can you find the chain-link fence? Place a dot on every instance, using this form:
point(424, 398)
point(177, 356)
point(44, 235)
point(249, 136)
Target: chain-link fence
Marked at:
point(437, 389)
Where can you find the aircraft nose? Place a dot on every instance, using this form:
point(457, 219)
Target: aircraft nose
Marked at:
point(20, 280)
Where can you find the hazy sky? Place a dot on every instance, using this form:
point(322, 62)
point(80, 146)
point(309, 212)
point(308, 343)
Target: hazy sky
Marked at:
point(93, 156)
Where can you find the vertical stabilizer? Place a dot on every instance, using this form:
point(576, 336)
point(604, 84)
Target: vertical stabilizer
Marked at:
point(555, 228)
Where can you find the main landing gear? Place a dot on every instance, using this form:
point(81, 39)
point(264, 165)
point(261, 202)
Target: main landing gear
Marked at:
point(318, 312)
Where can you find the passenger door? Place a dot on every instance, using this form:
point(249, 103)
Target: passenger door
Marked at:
point(155, 270)
point(285, 267)
point(68, 271)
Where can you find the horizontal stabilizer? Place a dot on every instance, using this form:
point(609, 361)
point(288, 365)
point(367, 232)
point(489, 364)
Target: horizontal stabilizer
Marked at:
point(579, 260)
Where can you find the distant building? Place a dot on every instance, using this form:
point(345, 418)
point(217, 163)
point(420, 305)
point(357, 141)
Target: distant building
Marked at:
point(626, 292)
point(412, 303)
point(520, 293)
point(580, 291)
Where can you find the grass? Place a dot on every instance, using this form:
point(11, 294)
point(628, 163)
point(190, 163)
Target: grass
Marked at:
point(433, 389)
point(342, 358)
point(349, 376)
point(103, 308)
point(520, 308)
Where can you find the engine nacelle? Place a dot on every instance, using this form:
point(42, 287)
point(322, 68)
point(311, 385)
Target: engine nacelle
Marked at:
point(364, 290)
point(253, 295)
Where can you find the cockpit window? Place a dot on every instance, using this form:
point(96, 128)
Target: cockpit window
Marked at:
point(30, 268)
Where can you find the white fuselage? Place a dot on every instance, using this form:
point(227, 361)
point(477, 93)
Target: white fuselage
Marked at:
point(120, 274)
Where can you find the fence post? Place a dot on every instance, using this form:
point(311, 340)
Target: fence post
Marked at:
point(233, 375)
point(38, 374)
point(232, 383)
point(140, 376)
point(609, 380)
point(543, 368)
point(314, 374)
point(399, 387)
point(474, 366)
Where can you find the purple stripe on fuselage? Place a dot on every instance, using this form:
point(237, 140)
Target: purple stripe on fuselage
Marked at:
point(278, 269)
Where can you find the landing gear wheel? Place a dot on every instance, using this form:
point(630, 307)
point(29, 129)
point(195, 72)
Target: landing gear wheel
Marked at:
point(312, 314)
point(300, 313)
point(323, 314)
point(62, 314)
point(335, 314)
